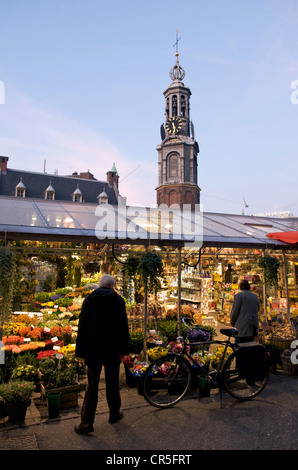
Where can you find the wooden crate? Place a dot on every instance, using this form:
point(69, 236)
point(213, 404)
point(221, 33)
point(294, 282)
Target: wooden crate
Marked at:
point(69, 395)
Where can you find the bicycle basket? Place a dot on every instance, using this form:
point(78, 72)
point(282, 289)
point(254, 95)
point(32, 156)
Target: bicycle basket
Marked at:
point(199, 335)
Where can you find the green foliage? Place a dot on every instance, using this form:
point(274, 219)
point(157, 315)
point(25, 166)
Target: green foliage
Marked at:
point(43, 297)
point(136, 341)
point(7, 272)
point(57, 373)
point(270, 266)
point(169, 329)
point(150, 269)
point(16, 391)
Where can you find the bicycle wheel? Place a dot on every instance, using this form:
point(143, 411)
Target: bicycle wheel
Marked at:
point(238, 386)
point(167, 380)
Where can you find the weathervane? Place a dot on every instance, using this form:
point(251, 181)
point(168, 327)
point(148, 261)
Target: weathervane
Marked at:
point(177, 72)
point(177, 40)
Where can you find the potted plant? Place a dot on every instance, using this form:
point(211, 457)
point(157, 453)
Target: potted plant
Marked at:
point(58, 374)
point(16, 395)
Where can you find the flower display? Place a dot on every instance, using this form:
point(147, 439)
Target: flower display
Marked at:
point(16, 391)
point(138, 368)
point(157, 352)
point(25, 372)
point(217, 355)
point(10, 340)
point(44, 354)
point(68, 349)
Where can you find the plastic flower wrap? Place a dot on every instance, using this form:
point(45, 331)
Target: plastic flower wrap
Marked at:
point(176, 347)
point(155, 338)
point(202, 357)
point(138, 368)
point(129, 360)
point(199, 335)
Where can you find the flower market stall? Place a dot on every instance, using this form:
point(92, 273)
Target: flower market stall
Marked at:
point(51, 268)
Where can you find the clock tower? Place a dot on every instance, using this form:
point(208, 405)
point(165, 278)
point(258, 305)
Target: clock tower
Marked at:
point(178, 150)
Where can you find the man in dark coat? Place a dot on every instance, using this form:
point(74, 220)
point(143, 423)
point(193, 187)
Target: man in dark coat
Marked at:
point(102, 340)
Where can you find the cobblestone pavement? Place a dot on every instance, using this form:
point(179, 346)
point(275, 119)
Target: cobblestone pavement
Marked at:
point(37, 413)
point(13, 437)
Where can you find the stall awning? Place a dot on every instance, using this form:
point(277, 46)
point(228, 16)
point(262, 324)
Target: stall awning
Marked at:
point(65, 221)
point(287, 237)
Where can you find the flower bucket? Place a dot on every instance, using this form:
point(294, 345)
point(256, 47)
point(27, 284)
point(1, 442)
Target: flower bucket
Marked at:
point(129, 378)
point(53, 399)
point(16, 412)
point(204, 386)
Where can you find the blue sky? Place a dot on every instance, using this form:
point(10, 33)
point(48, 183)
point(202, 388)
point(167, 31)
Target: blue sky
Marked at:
point(84, 82)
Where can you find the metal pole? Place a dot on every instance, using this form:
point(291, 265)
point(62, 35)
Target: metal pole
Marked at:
point(264, 293)
point(145, 317)
point(286, 284)
point(179, 291)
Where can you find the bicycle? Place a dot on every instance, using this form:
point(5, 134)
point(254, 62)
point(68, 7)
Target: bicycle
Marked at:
point(167, 379)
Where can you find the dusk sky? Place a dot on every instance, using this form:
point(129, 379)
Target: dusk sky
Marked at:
point(82, 85)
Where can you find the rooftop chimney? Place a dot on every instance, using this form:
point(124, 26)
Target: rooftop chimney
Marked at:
point(3, 164)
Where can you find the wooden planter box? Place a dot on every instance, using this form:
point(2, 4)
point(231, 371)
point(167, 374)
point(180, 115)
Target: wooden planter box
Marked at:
point(69, 395)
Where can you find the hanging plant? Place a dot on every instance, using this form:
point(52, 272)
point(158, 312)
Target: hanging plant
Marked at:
point(151, 269)
point(270, 266)
point(129, 272)
point(131, 265)
point(7, 272)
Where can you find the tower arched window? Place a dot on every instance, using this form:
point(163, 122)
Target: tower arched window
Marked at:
point(183, 106)
point(174, 105)
point(167, 108)
point(173, 167)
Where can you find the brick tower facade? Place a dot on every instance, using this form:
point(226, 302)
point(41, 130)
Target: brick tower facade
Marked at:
point(178, 150)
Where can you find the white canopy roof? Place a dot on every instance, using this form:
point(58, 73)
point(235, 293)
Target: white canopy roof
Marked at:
point(38, 219)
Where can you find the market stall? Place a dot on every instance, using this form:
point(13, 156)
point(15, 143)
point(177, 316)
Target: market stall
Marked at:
point(67, 247)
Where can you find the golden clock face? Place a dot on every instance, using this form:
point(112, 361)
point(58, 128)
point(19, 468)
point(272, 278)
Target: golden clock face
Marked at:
point(173, 125)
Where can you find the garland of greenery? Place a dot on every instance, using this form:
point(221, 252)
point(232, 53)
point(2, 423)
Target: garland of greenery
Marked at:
point(270, 266)
point(7, 272)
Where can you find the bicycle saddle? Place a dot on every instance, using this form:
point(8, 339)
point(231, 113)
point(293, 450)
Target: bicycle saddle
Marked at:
point(229, 331)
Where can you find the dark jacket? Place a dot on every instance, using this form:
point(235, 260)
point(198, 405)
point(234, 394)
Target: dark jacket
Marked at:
point(244, 313)
point(103, 328)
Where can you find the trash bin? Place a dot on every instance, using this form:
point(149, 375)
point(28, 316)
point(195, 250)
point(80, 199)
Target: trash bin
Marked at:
point(54, 404)
point(204, 386)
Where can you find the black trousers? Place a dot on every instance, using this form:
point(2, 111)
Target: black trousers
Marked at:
point(111, 366)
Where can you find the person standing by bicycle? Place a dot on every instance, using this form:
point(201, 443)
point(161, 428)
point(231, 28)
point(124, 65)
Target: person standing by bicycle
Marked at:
point(103, 340)
point(244, 314)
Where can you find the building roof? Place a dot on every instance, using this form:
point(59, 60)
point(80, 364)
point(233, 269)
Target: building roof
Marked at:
point(65, 186)
point(36, 219)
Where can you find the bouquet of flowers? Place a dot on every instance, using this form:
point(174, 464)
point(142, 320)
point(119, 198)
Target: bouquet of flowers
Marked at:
point(138, 368)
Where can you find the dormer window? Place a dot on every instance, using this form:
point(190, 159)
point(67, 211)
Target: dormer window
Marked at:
point(49, 193)
point(77, 195)
point(103, 198)
point(20, 189)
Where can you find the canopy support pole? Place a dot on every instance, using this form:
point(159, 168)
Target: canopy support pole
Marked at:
point(286, 284)
point(179, 291)
point(264, 293)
